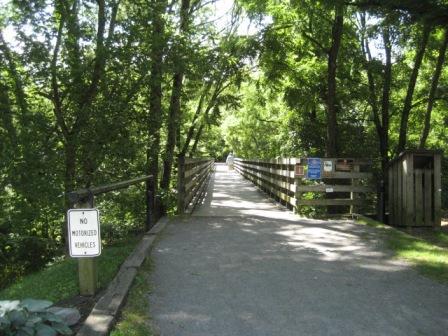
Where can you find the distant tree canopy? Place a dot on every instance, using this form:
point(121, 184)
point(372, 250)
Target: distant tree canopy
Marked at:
point(96, 91)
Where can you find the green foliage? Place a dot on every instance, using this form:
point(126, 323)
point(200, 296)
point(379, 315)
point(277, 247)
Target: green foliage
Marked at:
point(30, 317)
point(76, 88)
point(134, 320)
point(59, 280)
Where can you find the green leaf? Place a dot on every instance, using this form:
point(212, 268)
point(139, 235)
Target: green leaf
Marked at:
point(4, 322)
point(45, 330)
point(25, 331)
point(62, 328)
point(32, 320)
point(7, 306)
point(36, 305)
point(52, 318)
point(17, 317)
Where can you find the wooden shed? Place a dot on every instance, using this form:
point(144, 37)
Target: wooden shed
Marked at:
point(415, 188)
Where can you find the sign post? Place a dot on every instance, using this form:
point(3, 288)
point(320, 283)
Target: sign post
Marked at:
point(85, 244)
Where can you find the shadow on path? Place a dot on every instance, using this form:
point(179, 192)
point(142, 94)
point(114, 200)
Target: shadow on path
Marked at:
point(271, 273)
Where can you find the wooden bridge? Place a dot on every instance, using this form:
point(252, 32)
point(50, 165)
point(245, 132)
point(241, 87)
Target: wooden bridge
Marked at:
point(349, 180)
point(243, 264)
point(238, 260)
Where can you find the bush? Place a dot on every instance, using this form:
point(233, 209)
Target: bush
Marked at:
point(20, 255)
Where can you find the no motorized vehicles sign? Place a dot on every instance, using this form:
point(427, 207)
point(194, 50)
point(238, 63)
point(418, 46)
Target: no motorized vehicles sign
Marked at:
point(84, 232)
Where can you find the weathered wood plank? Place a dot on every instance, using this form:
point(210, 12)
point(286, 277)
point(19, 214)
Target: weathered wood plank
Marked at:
point(325, 201)
point(336, 188)
point(349, 175)
point(354, 183)
point(418, 174)
point(409, 191)
point(391, 185)
point(428, 198)
point(400, 199)
point(437, 190)
point(190, 182)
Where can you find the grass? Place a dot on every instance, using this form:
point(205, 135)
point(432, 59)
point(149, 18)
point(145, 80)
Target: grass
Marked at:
point(430, 260)
point(59, 281)
point(441, 238)
point(134, 319)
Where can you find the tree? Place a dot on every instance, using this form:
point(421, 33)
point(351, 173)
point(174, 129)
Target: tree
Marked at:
point(407, 105)
point(433, 89)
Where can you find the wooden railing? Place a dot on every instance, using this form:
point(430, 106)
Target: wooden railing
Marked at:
point(193, 175)
point(275, 177)
point(286, 181)
point(85, 199)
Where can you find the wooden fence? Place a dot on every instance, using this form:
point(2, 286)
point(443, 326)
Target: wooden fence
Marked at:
point(85, 199)
point(415, 189)
point(285, 180)
point(193, 175)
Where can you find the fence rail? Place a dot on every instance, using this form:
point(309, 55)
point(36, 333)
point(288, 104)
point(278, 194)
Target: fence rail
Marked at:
point(281, 178)
point(193, 175)
point(85, 198)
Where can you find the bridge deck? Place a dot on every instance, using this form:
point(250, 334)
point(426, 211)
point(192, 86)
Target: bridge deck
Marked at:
point(243, 266)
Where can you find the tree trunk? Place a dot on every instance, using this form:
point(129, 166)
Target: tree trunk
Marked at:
point(155, 86)
point(370, 79)
point(6, 115)
point(410, 91)
point(196, 139)
point(18, 84)
point(196, 115)
point(384, 136)
point(385, 101)
point(432, 92)
point(337, 29)
point(175, 102)
point(173, 121)
point(69, 180)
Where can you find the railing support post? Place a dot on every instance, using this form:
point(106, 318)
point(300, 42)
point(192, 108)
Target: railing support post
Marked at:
point(297, 194)
point(150, 186)
point(87, 267)
point(181, 185)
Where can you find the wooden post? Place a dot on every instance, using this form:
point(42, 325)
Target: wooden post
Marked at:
point(181, 185)
point(428, 197)
point(400, 199)
point(297, 194)
point(409, 190)
point(149, 203)
point(381, 208)
point(391, 195)
point(419, 199)
point(87, 267)
point(353, 195)
point(437, 190)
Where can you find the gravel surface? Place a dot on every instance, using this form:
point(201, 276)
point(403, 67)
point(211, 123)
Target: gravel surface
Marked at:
point(244, 266)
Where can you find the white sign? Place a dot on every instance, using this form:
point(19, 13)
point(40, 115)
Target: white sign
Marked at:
point(328, 166)
point(84, 232)
point(329, 190)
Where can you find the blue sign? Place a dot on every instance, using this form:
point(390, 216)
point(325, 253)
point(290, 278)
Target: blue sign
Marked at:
point(314, 169)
